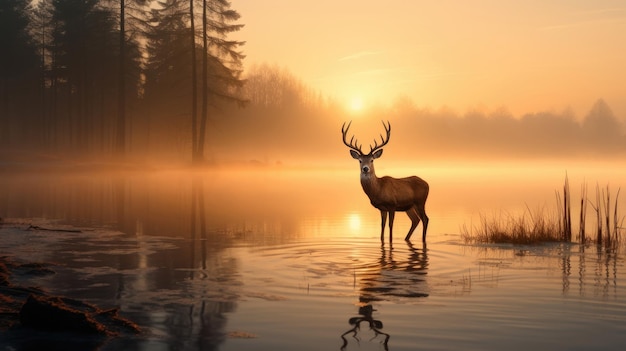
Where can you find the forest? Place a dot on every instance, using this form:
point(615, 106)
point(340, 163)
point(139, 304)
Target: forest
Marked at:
point(163, 81)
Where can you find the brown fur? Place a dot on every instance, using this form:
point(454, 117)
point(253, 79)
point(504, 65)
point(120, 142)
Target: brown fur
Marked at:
point(395, 194)
point(386, 193)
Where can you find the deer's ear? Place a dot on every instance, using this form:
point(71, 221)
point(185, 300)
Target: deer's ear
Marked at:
point(354, 154)
point(378, 153)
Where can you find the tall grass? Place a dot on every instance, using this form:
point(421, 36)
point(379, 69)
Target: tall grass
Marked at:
point(607, 234)
point(526, 229)
point(583, 212)
point(543, 226)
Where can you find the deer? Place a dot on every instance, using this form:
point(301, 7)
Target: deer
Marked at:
point(389, 194)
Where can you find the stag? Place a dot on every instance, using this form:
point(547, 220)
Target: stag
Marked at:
point(386, 193)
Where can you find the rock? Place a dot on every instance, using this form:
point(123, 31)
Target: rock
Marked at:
point(52, 314)
point(56, 314)
point(30, 308)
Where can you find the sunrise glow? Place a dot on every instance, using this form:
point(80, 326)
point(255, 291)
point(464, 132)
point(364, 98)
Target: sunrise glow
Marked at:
point(527, 56)
point(356, 104)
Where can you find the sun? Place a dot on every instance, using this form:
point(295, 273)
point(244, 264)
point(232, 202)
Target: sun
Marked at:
point(356, 104)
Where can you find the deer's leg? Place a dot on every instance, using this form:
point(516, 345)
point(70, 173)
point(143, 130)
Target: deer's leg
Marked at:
point(422, 213)
point(392, 214)
point(415, 220)
point(383, 220)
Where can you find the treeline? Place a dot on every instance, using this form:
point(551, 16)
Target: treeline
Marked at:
point(288, 123)
point(100, 78)
point(162, 80)
point(498, 134)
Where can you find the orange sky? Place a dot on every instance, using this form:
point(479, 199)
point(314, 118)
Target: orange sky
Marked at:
point(526, 56)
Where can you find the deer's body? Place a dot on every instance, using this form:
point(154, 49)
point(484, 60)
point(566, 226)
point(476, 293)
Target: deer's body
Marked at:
point(389, 194)
point(394, 194)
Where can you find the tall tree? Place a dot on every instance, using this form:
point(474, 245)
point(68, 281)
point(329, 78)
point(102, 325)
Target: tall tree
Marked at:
point(18, 68)
point(167, 78)
point(602, 129)
point(172, 72)
point(226, 61)
point(120, 144)
point(86, 59)
point(74, 34)
point(41, 28)
point(194, 85)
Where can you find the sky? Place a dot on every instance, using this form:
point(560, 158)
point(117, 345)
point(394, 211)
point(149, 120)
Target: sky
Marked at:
point(524, 56)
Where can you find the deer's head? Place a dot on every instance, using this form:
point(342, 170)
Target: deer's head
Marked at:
point(366, 162)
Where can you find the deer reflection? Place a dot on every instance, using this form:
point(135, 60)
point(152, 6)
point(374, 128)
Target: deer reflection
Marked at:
point(388, 278)
point(365, 315)
point(392, 278)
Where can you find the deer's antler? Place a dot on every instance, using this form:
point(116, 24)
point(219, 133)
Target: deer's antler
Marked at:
point(384, 140)
point(353, 144)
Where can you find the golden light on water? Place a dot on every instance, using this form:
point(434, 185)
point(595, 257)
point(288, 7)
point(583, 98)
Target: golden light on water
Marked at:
point(354, 222)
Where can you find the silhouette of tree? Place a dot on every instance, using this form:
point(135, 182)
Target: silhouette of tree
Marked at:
point(194, 85)
point(41, 31)
point(122, 77)
point(171, 75)
point(168, 75)
point(85, 67)
point(18, 69)
point(550, 133)
point(600, 122)
point(121, 93)
point(224, 58)
point(270, 86)
point(602, 130)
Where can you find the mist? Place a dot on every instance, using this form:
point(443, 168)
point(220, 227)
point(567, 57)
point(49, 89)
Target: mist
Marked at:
point(203, 105)
point(300, 134)
point(284, 123)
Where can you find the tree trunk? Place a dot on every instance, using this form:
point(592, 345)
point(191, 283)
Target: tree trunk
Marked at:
point(194, 90)
point(121, 97)
point(205, 87)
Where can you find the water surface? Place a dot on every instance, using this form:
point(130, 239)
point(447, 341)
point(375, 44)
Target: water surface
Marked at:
point(286, 259)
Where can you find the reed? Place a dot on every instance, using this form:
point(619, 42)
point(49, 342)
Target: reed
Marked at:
point(617, 224)
point(606, 234)
point(565, 213)
point(583, 212)
point(546, 227)
point(526, 229)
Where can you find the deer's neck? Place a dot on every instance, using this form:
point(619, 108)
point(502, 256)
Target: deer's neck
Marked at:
point(370, 184)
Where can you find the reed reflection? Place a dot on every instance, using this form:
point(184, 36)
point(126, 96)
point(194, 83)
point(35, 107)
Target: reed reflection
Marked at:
point(596, 267)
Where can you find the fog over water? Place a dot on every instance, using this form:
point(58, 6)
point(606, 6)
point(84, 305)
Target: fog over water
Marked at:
point(242, 196)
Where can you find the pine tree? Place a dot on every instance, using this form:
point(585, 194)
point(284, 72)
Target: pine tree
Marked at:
point(224, 57)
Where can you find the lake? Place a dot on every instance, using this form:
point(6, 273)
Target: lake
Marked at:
point(277, 259)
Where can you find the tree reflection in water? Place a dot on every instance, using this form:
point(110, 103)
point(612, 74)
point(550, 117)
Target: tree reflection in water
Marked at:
point(199, 287)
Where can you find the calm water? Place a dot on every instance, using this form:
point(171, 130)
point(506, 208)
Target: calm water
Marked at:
point(273, 260)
